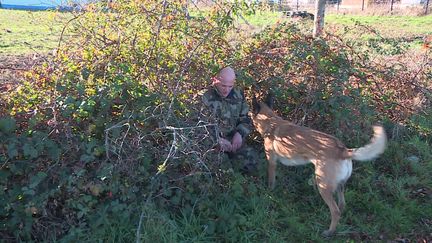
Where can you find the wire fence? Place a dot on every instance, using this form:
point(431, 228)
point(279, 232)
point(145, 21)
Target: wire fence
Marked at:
point(405, 7)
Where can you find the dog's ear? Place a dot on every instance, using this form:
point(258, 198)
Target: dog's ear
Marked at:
point(270, 99)
point(255, 105)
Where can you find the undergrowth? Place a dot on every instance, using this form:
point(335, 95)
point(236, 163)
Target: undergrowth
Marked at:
point(104, 141)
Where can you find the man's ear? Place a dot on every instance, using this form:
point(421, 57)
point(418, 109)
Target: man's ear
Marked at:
point(270, 99)
point(214, 80)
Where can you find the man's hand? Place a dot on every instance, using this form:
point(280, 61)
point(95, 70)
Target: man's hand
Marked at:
point(236, 142)
point(225, 145)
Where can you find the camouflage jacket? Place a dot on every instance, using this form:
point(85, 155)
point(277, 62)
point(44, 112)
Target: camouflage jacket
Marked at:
point(230, 113)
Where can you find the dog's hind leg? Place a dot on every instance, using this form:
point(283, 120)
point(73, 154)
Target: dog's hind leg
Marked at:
point(271, 169)
point(341, 196)
point(345, 172)
point(326, 190)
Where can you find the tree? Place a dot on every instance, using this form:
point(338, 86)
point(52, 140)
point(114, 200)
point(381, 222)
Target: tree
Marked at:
point(319, 17)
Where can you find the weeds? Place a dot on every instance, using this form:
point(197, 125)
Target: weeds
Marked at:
point(104, 142)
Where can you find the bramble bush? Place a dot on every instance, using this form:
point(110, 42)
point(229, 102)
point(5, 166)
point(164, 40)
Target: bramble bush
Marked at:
point(95, 128)
point(107, 134)
point(339, 84)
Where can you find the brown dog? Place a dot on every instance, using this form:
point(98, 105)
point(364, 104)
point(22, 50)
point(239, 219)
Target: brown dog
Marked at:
point(296, 145)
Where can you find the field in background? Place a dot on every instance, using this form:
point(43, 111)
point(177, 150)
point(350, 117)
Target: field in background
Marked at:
point(264, 18)
point(26, 32)
point(390, 26)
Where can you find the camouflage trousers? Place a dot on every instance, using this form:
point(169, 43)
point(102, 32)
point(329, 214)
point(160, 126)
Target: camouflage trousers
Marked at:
point(244, 159)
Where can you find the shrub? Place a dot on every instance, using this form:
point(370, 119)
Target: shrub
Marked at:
point(108, 132)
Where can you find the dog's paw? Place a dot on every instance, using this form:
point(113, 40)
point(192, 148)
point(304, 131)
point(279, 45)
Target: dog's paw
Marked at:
point(327, 233)
point(271, 185)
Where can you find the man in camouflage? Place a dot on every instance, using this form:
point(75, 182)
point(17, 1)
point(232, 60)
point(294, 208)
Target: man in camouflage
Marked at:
point(226, 106)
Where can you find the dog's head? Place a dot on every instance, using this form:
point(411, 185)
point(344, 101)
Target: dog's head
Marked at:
point(262, 113)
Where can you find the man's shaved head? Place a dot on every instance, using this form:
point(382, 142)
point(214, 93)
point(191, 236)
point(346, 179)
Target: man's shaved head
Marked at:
point(224, 81)
point(226, 74)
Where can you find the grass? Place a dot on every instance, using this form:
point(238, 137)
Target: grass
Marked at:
point(388, 25)
point(294, 212)
point(23, 32)
point(263, 18)
point(381, 206)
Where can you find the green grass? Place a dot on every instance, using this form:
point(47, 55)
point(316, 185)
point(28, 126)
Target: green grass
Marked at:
point(390, 25)
point(263, 18)
point(23, 32)
point(301, 215)
point(381, 206)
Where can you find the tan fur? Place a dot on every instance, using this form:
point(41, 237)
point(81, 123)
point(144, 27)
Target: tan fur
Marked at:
point(292, 145)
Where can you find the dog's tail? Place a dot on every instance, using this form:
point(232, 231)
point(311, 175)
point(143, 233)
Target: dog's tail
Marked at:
point(373, 149)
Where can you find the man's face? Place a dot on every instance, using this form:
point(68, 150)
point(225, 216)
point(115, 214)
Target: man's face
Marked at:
point(224, 85)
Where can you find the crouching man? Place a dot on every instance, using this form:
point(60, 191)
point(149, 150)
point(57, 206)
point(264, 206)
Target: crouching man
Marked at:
point(225, 105)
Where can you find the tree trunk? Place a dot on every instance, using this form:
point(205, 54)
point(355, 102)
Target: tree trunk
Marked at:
point(319, 17)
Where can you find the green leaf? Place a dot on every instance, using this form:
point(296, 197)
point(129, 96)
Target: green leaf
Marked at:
point(29, 192)
point(12, 150)
point(87, 158)
point(30, 151)
point(4, 174)
point(53, 150)
point(36, 179)
point(7, 125)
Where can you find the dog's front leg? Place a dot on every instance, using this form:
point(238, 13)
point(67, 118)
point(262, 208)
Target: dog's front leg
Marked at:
point(271, 168)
